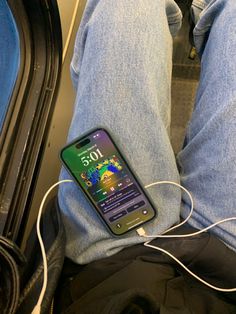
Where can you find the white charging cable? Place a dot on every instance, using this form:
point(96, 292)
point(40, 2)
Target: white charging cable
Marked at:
point(185, 190)
point(141, 232)
point(37, 308)
point(188, 270)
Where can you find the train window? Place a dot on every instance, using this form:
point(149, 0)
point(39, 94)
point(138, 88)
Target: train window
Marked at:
point(30, 65)
point(9, 57)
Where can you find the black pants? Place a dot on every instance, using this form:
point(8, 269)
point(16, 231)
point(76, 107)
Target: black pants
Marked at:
point(141, 280)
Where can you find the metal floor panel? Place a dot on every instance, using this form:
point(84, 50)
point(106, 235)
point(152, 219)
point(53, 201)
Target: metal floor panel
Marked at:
point(183, 95)
point(185, 78)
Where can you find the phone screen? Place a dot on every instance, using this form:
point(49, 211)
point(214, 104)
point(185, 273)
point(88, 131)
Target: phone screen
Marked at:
point(107, 180)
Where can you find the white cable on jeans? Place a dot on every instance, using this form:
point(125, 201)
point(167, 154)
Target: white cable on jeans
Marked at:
point(186, 191)
point(188, 235)
point(163, 235)
point(37, 308)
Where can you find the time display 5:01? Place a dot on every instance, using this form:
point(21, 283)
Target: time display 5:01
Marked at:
point(93, 156)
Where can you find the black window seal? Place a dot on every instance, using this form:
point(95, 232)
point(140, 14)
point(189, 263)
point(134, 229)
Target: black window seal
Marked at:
point(30, 110)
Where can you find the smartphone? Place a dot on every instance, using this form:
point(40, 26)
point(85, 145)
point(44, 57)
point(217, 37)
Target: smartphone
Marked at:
point(103, 174)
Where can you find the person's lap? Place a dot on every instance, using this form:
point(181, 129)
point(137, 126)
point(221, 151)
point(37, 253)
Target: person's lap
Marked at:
point(122, 72)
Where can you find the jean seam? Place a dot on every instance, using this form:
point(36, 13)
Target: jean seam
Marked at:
point(72, 67)
point(199, 5)
point(174, 18)
point(202, 31)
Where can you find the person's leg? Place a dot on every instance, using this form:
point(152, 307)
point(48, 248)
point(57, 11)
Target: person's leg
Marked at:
point(208, 159)
point(121, 69)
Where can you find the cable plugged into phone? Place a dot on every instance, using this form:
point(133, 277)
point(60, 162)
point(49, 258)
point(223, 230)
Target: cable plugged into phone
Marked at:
point(141, 232)
point(92, 159)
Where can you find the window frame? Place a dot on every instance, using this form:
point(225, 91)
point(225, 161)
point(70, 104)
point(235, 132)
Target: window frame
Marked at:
point(27, 120)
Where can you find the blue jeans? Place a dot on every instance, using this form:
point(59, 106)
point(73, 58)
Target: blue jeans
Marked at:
point(121, 70)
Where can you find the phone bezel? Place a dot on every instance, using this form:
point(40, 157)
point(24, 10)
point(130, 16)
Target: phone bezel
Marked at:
point(81, 138)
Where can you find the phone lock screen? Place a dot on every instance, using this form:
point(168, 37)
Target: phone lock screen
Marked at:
point(102, 173)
